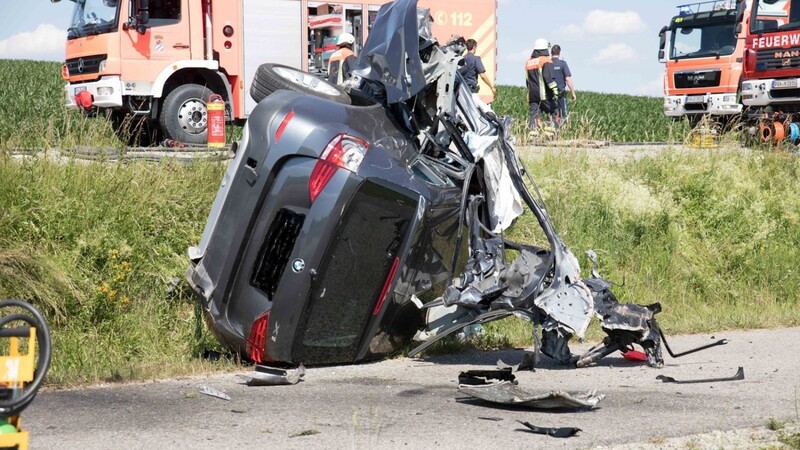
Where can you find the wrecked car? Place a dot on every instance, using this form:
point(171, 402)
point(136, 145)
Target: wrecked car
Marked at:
point(348, 223)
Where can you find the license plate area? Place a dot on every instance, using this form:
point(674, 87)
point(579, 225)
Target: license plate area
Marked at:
point(695, 99)
point(79, 89)
point(785, 84)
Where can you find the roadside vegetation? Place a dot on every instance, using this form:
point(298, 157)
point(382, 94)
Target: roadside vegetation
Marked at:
point(34, 115)
point(100, 247)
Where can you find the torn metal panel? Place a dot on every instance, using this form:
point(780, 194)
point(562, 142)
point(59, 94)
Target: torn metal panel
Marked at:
point(563, 432)
point(484, 377)
point(738, 376)
point(272, 376)
point(211, 392)
point(509, 393)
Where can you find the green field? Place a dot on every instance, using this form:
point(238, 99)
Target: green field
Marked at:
point(35, 116)
point(101, 247)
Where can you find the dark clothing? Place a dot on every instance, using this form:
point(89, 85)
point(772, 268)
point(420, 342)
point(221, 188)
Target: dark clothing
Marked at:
point(540, 78)
point(542, 87)
point(473, 66)
point(561, 72)
point(340, 65)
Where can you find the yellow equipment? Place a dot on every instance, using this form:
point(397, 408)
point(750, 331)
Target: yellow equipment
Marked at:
point(21, 374)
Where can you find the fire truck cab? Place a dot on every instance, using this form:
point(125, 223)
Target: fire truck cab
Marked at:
point(158, 61)
point(703, 67)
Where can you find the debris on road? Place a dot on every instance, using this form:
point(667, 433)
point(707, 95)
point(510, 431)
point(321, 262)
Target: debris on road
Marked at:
point(481, 377)
point(554, 432)
point(528, 363)
point(509, 393)
point(272, 376)
point(207, 390)
point(738, 376)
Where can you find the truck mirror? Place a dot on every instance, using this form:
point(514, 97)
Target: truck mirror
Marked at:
point(738, 30)
point(142, 12)
point(662, 40)
point(661, 55)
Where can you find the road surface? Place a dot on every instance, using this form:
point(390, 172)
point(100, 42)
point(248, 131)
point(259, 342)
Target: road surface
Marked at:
point(414, 403)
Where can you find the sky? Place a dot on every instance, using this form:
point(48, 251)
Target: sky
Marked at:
point(610, 45)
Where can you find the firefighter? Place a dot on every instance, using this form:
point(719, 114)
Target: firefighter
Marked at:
point(541, 83)
point(343, 59)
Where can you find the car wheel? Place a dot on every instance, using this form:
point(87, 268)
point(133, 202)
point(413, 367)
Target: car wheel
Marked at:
point(273, 77)
point(183, 114)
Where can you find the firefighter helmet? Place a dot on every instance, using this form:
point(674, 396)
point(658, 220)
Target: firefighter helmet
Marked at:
point(346, 39)
point(541, 44)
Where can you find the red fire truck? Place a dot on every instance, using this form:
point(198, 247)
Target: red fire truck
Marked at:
point(157, 61)
point(771, 89)
point(703, 68)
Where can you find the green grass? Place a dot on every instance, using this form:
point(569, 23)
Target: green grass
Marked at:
point(612, 117)
point(711, 235)
point(34, 114)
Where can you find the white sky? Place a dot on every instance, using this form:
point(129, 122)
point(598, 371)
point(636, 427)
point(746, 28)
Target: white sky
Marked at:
point(610, 45)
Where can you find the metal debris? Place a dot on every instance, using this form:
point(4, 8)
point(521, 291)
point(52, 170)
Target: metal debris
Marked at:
point(739, 376)
point(272, 376)
point(509, 393)
point(484, 377)
point(554, 432)
point(206, 390)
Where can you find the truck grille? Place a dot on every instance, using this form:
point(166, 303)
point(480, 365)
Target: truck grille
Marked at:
point(85, 65)
point(275, 251)
point(778, 59)
point(697, 79)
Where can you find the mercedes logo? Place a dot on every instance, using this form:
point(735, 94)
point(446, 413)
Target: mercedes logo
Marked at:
point(80, 65)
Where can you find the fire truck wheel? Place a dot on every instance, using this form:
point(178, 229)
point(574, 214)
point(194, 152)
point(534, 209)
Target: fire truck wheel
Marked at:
point(183, 114)
point(272, 77)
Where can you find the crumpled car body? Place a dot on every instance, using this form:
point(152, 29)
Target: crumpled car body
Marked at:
point(309, 258)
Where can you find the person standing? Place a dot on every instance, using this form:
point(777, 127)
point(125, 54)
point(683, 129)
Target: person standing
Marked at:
point(564, 81)
point(541, 83)
point(342, 60)
point(473, 67)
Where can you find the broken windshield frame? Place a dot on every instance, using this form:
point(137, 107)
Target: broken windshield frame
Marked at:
point(92, 17)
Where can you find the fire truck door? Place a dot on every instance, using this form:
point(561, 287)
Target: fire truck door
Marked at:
point(166, 39)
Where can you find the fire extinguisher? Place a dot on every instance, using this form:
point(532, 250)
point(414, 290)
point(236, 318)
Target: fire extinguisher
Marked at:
point(216, 121)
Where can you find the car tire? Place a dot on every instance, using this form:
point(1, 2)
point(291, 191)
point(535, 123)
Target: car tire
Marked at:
point(184, 115)
point(273, 77)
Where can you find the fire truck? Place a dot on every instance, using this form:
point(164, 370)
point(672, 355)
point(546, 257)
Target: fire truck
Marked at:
point(771, 89)
point(704, 67)
point(158, 61)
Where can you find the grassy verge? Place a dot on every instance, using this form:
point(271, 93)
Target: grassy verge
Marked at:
point(34, 114)
point(595, 116)
point(711, 235)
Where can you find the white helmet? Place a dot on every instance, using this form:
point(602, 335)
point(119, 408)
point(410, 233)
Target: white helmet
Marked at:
point(541, 44)
point(346, 38)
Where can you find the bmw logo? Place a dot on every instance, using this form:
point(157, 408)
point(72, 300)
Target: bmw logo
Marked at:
point(298, 265)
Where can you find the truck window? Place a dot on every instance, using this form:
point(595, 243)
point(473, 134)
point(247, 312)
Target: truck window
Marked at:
point(775, 14)
point(164, 12)
point(706, 41)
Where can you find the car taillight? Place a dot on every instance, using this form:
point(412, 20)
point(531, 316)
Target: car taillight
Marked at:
point(257, 340)
point(64, 72)
point(343, 151)
point(386, 285)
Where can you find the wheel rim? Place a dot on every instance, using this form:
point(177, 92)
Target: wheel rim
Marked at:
point(307, 80)
point(193, 116)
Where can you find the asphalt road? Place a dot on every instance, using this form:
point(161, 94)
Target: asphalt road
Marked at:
point(414, 403)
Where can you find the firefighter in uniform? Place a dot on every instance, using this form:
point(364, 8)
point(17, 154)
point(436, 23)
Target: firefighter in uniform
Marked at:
point(541, 83)
point(343, 59)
